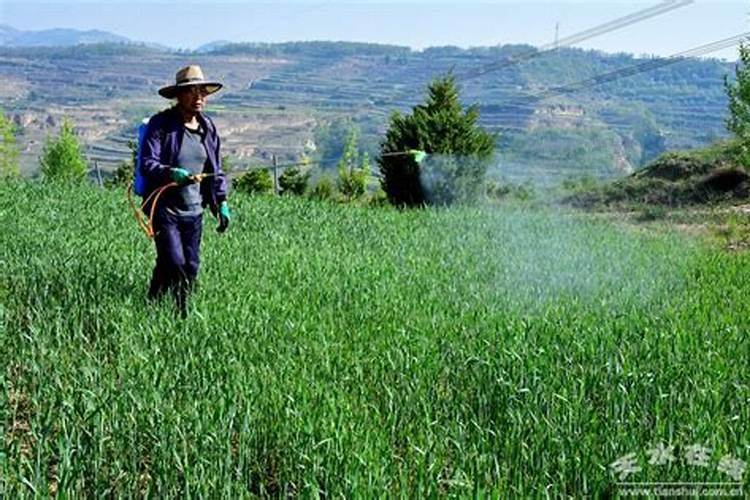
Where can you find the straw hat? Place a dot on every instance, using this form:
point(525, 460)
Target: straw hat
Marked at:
point(187, 77)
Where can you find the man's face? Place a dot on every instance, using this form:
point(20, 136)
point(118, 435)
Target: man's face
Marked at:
point(193, 98)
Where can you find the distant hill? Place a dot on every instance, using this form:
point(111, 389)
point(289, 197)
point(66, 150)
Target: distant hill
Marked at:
point(7, 33)
point(212, 46)
point(58, 37)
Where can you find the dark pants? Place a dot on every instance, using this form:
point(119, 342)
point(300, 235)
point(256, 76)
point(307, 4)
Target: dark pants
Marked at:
point(178, 241)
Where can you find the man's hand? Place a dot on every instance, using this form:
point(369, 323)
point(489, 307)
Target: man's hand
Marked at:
point(224, 217)
point(180, 176)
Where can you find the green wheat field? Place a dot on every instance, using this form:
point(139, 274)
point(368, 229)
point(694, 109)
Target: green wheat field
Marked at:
point(340, 351)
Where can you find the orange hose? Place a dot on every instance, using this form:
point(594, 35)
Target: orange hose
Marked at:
point(137, 213)
point(158, 192)
point(148, 228)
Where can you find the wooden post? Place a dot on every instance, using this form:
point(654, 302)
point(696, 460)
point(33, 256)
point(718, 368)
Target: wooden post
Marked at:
point(275, 175)
point(98, 173)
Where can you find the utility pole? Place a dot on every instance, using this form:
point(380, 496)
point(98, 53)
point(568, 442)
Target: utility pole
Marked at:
point(557, 35)
point(98, 174)
point(275, 174)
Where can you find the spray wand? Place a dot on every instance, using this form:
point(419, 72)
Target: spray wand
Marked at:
point(419, 155)
point(147, 225)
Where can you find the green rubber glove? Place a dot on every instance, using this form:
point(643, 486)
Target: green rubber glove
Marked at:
point(224, 216)
point(180, 175)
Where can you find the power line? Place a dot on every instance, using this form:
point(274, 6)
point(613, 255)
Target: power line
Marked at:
point(587, 34)
point(528, 101)
point(599, 30)
point(621, 22)
point(615, 24)
point(581, 36)
point(643, 67)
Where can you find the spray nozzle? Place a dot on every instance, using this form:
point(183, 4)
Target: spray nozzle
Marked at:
point(419, 155)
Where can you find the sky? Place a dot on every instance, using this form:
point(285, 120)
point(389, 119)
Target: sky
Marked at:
point(415, 23)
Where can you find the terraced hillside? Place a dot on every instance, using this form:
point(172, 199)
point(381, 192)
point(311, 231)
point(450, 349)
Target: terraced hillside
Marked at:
point(276, 96)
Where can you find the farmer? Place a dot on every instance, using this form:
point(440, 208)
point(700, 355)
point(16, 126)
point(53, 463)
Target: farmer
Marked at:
point(179, 143)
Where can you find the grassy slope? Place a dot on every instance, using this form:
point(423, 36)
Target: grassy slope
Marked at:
point(707, 176)
point(360, 350)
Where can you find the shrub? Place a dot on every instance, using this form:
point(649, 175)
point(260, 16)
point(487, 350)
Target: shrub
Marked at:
point(123, 174)
point(352, 184)
point(652, 213)
point(8, 148)
point(227, 163)
point(293, 181)
point(579, 184)
point(256, 181)
point(353, 175)
point(323, 189)
point(379, 198)
point(62, 157)
point(497, 191)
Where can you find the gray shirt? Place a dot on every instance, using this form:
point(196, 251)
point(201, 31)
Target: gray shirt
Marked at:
point(192, 157)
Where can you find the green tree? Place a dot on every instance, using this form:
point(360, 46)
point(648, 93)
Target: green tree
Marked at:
point(324, 189)
point(293, 181)
point(331, 138)
point(125, 171)
point(738, 93)
point(62, 157)
point(8, 148)
point(257, 181)
point(227, 163)
point(353, 175)
point(460, 151)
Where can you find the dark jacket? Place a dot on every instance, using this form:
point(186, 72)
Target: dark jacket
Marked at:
point(161, 145)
